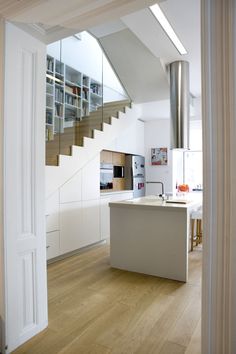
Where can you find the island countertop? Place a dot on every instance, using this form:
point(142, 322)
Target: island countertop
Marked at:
point(189, 201)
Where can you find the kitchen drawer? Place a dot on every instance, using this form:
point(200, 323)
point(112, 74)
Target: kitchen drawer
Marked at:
point(53, 244)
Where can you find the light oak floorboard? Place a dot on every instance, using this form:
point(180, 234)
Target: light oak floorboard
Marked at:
point(194, 346)
point(96, 309)
point(169, 348)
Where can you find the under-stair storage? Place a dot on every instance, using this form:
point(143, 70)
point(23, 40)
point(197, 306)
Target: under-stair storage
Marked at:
point(77, 213)
point(52, 226)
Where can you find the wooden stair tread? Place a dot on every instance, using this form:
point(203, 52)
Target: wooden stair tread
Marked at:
point(62, 142)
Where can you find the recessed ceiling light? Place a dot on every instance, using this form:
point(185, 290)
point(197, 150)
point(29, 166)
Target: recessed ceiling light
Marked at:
point(161, 18)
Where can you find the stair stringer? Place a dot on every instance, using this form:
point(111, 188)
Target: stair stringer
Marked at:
point(57, 176)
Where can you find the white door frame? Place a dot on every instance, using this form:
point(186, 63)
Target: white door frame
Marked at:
point(2, 283)
point(219, 146)
point(219, 151)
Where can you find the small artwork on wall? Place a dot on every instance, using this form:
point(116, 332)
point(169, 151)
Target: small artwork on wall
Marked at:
point(159, 156)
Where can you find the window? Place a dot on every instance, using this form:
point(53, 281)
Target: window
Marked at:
point(193, 169)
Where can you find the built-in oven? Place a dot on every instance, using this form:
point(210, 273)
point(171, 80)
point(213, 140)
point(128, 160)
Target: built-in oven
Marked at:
point(106, 176)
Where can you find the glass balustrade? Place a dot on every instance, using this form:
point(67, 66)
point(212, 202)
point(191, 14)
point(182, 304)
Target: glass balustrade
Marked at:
point(82, 93)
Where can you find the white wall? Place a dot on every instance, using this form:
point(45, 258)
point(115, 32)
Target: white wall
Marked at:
point(157, 134)
point(195, 136)
point(131, 141)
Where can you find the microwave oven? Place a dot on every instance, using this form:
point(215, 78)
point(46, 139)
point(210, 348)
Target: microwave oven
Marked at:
point(118, 171)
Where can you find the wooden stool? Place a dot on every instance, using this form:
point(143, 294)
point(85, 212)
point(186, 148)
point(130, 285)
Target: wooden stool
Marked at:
point(196, 215)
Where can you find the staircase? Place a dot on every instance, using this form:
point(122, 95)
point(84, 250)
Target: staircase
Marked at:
point(62, 142)
point(70, 151)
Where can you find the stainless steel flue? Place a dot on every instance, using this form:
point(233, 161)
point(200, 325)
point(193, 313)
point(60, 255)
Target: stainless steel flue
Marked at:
point(179, 104)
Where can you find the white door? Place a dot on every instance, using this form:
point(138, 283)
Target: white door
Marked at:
point(24, 216)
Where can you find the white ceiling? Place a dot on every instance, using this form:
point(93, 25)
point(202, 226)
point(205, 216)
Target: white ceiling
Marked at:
point(11, 8)
point(55, 19)
point(147, 29)
point(139, 70)
point(155, 110)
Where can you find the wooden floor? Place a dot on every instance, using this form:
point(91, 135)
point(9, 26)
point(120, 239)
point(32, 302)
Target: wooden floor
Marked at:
point(96, 309)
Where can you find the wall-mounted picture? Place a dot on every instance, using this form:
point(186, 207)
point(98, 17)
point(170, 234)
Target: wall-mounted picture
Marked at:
point(159, 156)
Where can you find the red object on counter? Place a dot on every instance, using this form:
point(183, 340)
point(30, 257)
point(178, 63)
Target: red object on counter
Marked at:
point(183, 188)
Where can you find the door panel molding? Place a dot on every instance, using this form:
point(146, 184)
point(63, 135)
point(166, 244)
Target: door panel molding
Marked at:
point(24, 197)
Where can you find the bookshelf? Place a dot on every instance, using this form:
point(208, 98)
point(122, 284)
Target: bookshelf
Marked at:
point(70, 96)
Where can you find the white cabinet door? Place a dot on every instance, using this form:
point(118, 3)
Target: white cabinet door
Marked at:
point(71, 228)
point(53, 244)
point(105, 218)
point(91, 222)
point(105, 211)
point(91, 180)
point(52, 212)
point(72, 190)
point(79, 225)
point(121, 196)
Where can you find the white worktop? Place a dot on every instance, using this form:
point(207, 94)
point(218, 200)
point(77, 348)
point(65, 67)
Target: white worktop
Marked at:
point(108, 192)
point(189, 200)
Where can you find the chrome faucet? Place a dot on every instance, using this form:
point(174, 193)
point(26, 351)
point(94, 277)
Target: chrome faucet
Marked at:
point(162, 195)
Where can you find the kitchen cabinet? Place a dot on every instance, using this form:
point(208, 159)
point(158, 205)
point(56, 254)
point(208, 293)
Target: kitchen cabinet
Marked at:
point(79, 225)
point(105, 217)
point(115, 158)
point(106, 156)
point(71, 227)
point(105, 210)
point(52, 226)
point(91, 180)
point(118, 159)
point(122, 196)
point(52, 213)
point(71, 191)
point(90, 222)
point(118, 184)
point(53, 244)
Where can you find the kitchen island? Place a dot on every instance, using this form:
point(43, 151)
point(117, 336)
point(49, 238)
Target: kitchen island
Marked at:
point(151, 236)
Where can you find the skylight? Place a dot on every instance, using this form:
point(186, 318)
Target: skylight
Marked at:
point(161, 18)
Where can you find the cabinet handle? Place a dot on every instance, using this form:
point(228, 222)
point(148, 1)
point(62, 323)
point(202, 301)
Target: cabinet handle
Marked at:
point(47, 215)
point(47, 246)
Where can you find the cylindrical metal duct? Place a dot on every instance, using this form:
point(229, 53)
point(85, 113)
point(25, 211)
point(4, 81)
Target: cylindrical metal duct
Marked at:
point(179, 104)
